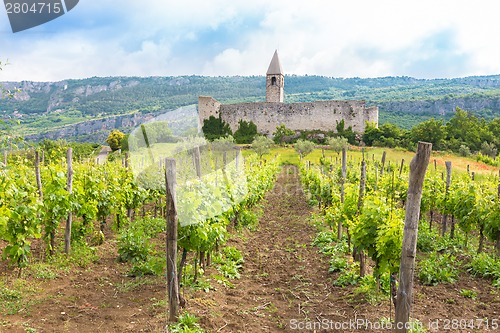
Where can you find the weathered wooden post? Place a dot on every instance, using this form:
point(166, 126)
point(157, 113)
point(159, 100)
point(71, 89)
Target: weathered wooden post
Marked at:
point(197, 161)
point(362, 187)
point(404, 298)
point(342, 189)
point(37, 174)
point(69, 221)
point(448, 182)
point(383, 164)
point(497, 243)
point(171, 241)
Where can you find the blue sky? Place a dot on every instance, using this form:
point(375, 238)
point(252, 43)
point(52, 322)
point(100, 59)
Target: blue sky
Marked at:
point(355, 38)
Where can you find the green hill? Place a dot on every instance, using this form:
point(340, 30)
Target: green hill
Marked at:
point(41, 107)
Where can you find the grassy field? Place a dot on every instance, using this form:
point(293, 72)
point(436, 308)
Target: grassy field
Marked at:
point(394, 156)
point(288, 155)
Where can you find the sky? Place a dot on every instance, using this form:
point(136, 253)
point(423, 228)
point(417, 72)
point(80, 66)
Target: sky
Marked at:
point(349, 38)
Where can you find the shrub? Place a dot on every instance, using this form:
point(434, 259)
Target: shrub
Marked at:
point(489, 149)
point(248, 219)
point(437, 269)
point(134, 241)
point(187, 324)
point(261, 145)
point(468, 293)
point(349, 277)
point(304, 147)
point(427, 239)
point(246, 132)
point(281, 132)
point(134, 246)
point(152, 266)
point(337, 144)
point(464, 151)
point(215, 128)
point(337, 264)
point(484, 265)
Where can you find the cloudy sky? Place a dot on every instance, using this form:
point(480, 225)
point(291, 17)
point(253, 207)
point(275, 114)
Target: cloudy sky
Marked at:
point(423, 39)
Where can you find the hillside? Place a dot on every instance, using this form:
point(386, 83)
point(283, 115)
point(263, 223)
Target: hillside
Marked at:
point(41, 107)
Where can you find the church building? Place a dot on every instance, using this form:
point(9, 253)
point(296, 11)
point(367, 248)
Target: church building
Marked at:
point(319, 115)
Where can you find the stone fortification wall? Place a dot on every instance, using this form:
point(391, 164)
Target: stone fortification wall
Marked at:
point(321, 115)
point(208, 106)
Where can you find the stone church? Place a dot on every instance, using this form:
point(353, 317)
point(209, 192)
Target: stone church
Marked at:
point(319, 115)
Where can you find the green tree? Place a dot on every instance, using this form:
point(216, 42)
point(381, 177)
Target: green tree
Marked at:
point(372, 134)
point(347, 133)
point(281, 132)
point(304, 147)
point(465, 128)
point(464, 151)
point(246, 132)
point(223, 143)
point(432, 130)
point(261, 145)
point(158, 132)
point(125, 143)
point(494, 127)
point(489, 149)
point(337, 143)
point(214, 128)
point(114, 139)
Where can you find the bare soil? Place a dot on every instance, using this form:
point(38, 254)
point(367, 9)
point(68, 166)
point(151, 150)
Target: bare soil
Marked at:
point(284, 285)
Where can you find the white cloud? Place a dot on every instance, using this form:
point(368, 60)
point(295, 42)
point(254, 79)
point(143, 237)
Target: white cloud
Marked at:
point(222, 37)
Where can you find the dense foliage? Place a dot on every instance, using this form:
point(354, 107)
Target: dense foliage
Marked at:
point(214, 128)
point(246, 132)
point(463, 133)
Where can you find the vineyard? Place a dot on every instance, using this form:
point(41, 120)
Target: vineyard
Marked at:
point(84, 244)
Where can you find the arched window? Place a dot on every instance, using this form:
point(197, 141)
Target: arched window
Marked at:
point(273, 81)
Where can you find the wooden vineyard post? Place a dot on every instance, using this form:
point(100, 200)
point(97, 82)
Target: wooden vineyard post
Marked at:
point(197, 165)
point(69, 221)
point(171, 246)
point(448, 182)
point(383, 164)
point(401, 167)
point(497, 243)
point(404, 298)
point(37, 174)
point(362, 187)
point(342, 190)
point(4, 158)
point(197, 161)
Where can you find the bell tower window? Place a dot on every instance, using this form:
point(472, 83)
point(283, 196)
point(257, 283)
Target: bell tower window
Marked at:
point(273, 81)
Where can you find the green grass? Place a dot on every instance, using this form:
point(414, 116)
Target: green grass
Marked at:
point(288, 155)
point(16, 295)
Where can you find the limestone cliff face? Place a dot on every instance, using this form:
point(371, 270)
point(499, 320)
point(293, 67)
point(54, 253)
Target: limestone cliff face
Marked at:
point(94, 130)
point(442, 106)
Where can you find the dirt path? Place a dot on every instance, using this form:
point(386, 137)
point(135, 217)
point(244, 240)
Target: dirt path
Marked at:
point(284, 277)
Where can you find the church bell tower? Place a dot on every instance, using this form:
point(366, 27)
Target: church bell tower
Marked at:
point(275, 81)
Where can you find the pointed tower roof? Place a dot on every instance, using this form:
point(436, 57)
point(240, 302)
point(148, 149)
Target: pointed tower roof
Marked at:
point(275, 66)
